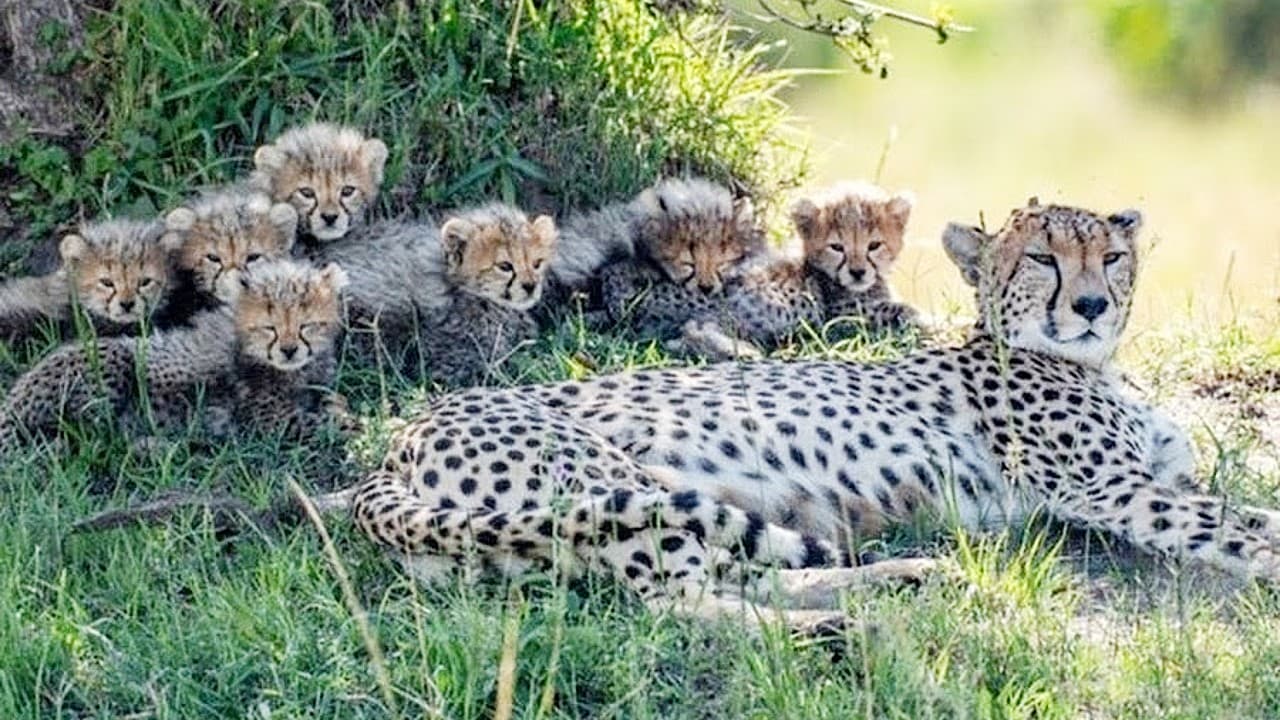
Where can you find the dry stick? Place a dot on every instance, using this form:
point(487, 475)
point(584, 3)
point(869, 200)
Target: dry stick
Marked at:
point(357, 611)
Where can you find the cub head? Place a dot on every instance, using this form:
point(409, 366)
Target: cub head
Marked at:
point(852, 233)
point(225, 233)
point(289, 312)
point(330, 174)
point(697, 233)
point(121, 270)
point(1057, 280)
point(497, 253)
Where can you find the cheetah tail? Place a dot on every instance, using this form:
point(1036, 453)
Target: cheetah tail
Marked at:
point(392, 516)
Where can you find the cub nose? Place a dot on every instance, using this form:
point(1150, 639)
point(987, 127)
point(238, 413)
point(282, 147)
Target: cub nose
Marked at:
point(858, 274)
point(127, 305)
point(706, 287)
point(288, 351)
point(1089, 306)
point(329, 218)
point(529, 287)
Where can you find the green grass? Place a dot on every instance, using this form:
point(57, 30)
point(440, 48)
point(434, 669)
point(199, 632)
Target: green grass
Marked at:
point(185, 621)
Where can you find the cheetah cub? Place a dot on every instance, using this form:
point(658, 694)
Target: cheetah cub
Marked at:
point(221, 235)
point(329, 173)
point(851, 235)
point(693, 240)
point(264, 363)
point(452, 302)
point(117, 271)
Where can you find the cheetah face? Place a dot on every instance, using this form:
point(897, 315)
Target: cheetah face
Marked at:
point(226, 235)
point(122, 270)
point(852, 233)
point(498, 254)
point(697, 234)
point(288, 312)
point(1057, 280)
point(329, 174)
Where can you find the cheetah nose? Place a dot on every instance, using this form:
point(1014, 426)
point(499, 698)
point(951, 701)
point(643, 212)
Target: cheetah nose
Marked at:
point(329, 218)
point(1089, 306)
point(858, 274)
point(706, 287)
point(529, 287)
point(288, 351)
point(127, 305)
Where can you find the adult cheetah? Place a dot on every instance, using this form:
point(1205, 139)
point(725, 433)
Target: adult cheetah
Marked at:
point(641, 473)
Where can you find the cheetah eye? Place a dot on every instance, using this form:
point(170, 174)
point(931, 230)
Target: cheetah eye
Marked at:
point(213, 258)
point(106, 282)
point(253, 257)
point(348, 190)
point(145, 282)
point(837, 247)
point(875, 246)
point(507, 267)
point(307, 193)
point(1046, 260)
point(1112, 258)
point(537, 264)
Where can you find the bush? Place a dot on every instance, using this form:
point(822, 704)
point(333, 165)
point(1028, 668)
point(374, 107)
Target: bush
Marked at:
point(553, 104)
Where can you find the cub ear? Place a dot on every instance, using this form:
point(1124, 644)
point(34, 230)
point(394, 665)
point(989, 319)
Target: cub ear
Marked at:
point(374, 154)
point(180, 219)
point(899, 207)
point(1126, 222)
point(743, 211)
point(454, 235)
point(72, 248)
point(963, 244)
point(652, 201)
point(334, 276)
point(544, 227)
point(284, 218)
point(805, 216)
point(268, 158)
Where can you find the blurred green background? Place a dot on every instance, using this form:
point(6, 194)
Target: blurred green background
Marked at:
point(1170, 107)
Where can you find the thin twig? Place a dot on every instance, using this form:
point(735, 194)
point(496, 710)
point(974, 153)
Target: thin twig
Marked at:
point(882, 11)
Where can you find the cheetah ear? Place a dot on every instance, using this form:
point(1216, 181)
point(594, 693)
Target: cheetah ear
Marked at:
point(899, 207)
point(284, 218)
point(454, 235)
point(334, 276)
point(72, 248)
point(374, 154)
point(1033, 201)
point(805, 216)
point(268, 158)
point(743, 210)
point(963, 244)
point(652, 201)
point(1126, 222)
point(544, 228)
point(180, 220)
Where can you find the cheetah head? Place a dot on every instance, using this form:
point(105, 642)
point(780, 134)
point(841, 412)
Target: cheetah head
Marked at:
point(497, 253)
point(121, 269)
point(697, 233)
point(288, 312)
point(1054, 279)
point(852, 233)
point(330, 174)
point(224, 233)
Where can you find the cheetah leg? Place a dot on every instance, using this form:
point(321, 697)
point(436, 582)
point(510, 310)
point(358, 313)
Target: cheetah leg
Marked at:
point(706, 338)
point(814, 588)
point(672, 571)
point(1161, 520)
point(387, 511)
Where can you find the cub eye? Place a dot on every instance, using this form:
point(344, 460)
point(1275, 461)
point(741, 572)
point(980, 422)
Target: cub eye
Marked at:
point(348, 190)
point(1111, 258)
point(505, 266)
point(307, 193)
point(836, 247)
point(253, 257)
point(213, 258)
point(1046, 260)
point(145, 282)
point(106, 282)
point(537, 264)
point(875, 246)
